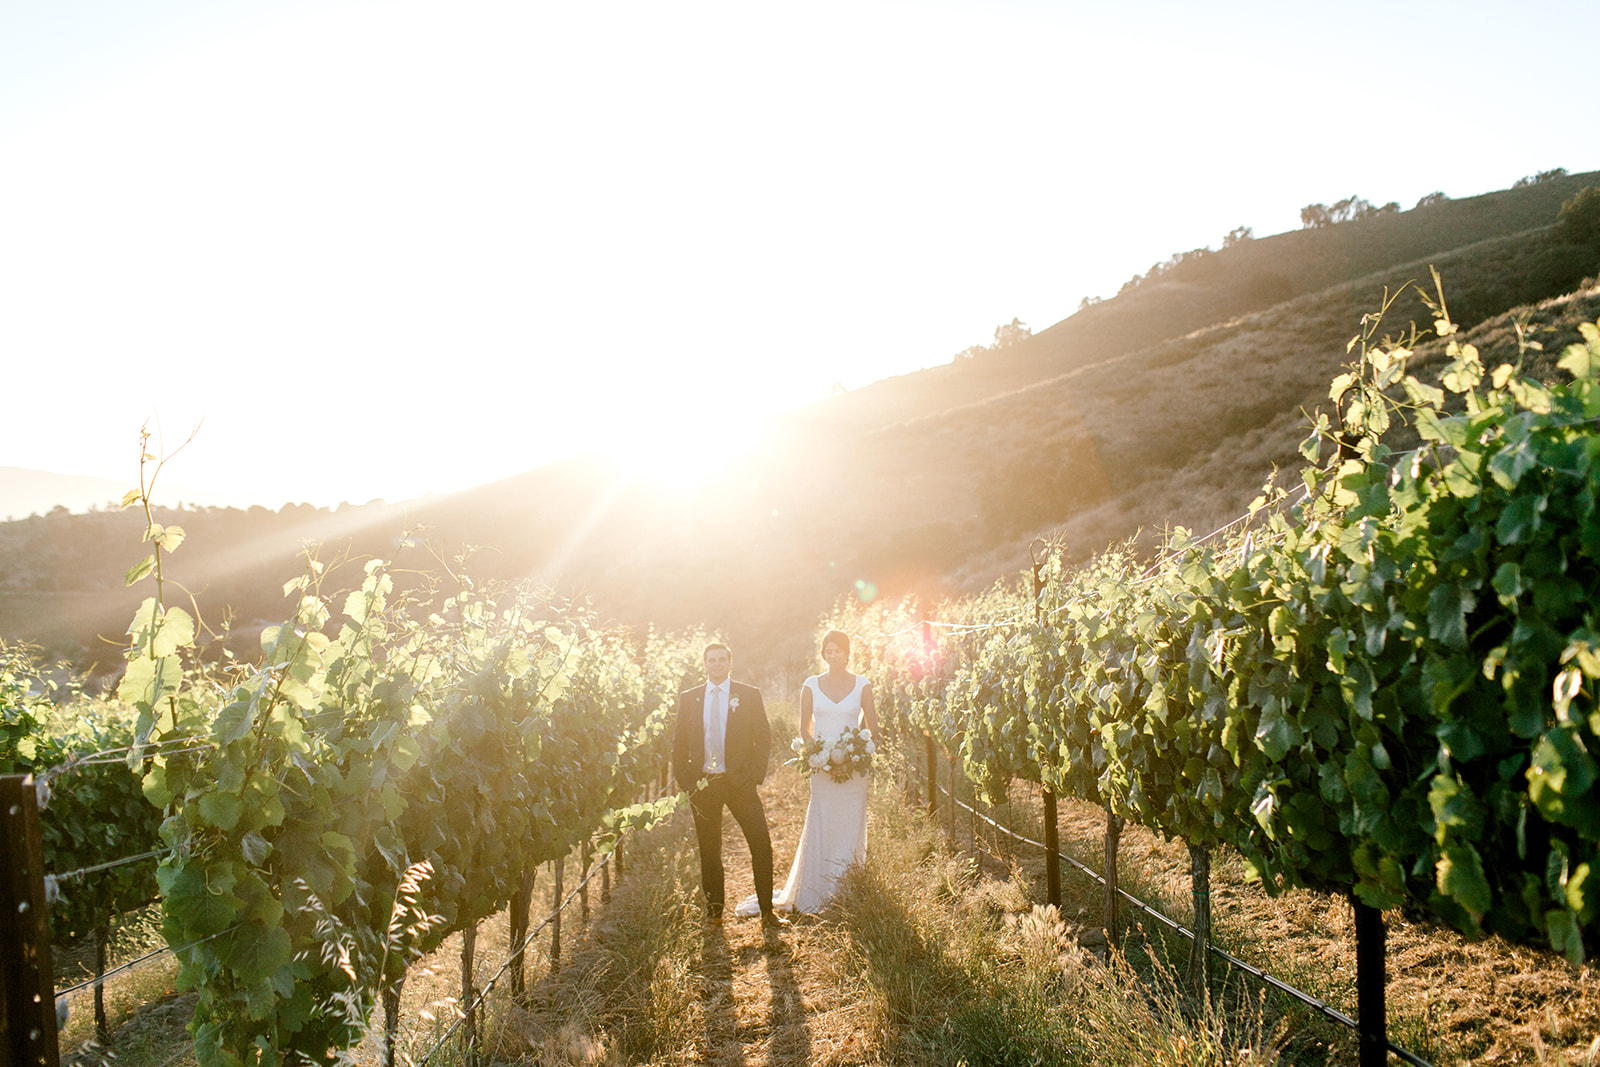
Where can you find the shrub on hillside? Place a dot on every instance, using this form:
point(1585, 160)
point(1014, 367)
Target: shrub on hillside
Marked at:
point(1350, 209)
point(1543, 176)
point(1579, 221)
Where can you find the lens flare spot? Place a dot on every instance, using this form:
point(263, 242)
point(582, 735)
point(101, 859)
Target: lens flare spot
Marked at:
point(866, 591)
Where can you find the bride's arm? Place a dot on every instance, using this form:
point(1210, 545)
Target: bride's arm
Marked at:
point(869, 713)
point(805, 712)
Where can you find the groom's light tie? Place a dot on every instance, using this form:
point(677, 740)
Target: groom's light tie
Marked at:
point(715, 754)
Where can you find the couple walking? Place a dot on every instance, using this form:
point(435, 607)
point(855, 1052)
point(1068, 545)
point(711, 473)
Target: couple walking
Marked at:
point(720, 747)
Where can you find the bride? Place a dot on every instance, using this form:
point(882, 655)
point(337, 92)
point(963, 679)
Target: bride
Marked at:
point(835, 833)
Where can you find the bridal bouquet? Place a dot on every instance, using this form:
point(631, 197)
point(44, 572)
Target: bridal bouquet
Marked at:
point(842, 757)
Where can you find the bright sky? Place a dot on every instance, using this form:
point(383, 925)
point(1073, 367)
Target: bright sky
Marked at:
point(385, 248)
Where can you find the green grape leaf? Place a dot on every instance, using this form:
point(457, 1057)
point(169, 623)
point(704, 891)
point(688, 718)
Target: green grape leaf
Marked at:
point(1565, 935)
point(1460, 740)
point(254, 848)
point(168, 537)
point(1459, 875)
point(1577, 890)
point(1454, 809)
point(1448, 606)
point(200, 907)
point(405, 752)
point(1363, 781)
point(1520, 520)
point(154, 785)
point(1560, 777)
point(297, 692)
point(1434, 427)
point(1340, 385)
point(257, 951)
point(233, 721)
point(139, 570)
point(176, 631)
point(221, 810)
point(1460, 480)
point(1428, 397)
point(1582, 361)
point(1509, 464)
point(1276, 733)
point(1508, 580)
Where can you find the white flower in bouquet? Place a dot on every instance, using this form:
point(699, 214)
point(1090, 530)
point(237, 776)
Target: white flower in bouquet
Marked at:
point(837, 756)
point(866, 734)
point(798, 745)
point(872, 749)
point(818, 761)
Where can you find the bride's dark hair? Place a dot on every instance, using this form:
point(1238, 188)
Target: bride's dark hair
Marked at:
point(835, 635)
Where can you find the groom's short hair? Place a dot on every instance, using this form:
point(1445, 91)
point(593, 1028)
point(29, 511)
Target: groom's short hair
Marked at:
point(713, 646)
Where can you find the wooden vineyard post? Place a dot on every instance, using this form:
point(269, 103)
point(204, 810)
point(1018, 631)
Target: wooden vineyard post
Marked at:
point(102, 1031)
point(469, 993)
point(605, 880)
point(1113, 833)
point(905, 733)
point(933, 776)
point(1371, 976)
point(1052, 839)
point(950, 776)
point(517, 928)
point(977, 847)
point(1052, 852)
point(583, 881)
point(391, 1019)
point(555, 920)
point(28, 1008)
point(1199, 970)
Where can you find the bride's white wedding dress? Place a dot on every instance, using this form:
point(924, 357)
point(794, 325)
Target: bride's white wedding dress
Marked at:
point(835, 833)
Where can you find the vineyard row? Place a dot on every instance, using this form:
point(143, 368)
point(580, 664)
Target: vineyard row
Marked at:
point(394, 770)
point(1385, 689)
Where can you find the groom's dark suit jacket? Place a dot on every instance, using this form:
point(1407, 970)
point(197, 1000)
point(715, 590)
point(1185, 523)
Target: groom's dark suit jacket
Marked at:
point(745, 744)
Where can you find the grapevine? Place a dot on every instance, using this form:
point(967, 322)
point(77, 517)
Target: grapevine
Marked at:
point(1384, 685)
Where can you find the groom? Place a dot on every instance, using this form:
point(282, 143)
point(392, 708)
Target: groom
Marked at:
point(719, 754)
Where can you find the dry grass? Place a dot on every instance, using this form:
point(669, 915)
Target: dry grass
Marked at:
point(145, 1014)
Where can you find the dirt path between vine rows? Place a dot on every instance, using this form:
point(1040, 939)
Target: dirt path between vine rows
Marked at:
point(763, 999)
point(763, 1003)
point(725, 994)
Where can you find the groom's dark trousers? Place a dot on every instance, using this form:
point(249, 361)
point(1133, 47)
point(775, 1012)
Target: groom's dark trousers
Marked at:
point(746, 745)
point(744, 804)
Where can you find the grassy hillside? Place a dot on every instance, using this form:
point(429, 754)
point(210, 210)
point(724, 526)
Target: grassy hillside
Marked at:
point(1167, 404)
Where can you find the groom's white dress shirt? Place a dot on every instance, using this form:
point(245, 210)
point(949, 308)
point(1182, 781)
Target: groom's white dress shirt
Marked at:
point(716, 726)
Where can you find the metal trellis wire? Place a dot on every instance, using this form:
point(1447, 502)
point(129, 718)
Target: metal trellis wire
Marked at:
point(132, 964)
